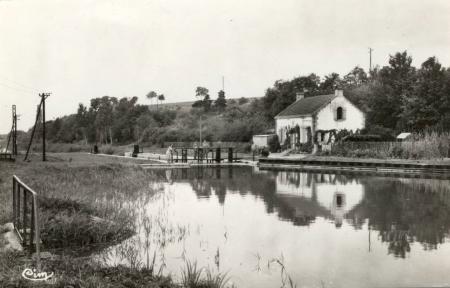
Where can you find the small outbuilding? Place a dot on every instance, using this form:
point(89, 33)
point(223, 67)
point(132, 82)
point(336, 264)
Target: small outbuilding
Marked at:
point(262, 141)
point(404, 136)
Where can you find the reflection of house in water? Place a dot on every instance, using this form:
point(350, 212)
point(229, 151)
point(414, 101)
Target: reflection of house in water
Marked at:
point(295, 196)
point(310, 195)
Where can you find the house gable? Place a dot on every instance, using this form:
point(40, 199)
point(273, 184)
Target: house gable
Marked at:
point(327, 118)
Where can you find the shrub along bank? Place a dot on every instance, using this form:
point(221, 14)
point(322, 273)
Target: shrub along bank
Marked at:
point(422, 146)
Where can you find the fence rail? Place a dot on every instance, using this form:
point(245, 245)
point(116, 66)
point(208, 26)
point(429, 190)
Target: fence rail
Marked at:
point(26, 216)
point(213, 154)
point(212, 144)
point(7, 156)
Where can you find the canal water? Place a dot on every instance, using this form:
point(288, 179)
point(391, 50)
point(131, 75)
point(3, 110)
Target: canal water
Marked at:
point(263, 228)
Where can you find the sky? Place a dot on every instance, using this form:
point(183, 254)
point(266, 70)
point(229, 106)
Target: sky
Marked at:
point(82, 49)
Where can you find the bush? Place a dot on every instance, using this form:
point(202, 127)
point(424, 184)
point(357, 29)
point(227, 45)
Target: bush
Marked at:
point(274, 144)
point(305, 147)
point(243, 100)
point(108, 149)
point(264, 152)
point(396, 151)
point(386, 134)
point(69, 223)
point(362, 138)
point(245, 148)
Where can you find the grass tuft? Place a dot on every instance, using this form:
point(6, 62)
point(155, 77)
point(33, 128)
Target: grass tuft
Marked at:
point(191, 275)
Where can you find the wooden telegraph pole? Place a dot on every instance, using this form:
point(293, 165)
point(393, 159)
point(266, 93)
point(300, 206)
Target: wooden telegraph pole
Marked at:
point(14, 131)
point(41, 107)
point(43, 97)
point(13, 134)
point(200, 124)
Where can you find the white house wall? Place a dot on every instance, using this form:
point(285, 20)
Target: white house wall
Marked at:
point(354, 118)
point(260, 141)
point(291, 122)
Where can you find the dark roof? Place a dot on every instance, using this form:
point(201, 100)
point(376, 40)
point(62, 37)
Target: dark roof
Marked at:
point(306, 106)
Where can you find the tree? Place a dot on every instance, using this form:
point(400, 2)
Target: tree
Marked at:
point(150, 95)
point(395, 83)
point(104, 117)
point(283, 93)
point(331, 83)
point(161, 98)
point(82, 120)
point(124, 118)
point(202, 92)
point(355, 78)
point(220, 103)
point(426, 104)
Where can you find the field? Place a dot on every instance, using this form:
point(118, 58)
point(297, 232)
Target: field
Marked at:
point(73, 189)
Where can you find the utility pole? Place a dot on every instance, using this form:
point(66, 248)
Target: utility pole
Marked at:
point(14, 131)
point(370, 60)
point(40, 107)
point(43, 97)
point(38, 114)
point(200, 122)
point(223, 83)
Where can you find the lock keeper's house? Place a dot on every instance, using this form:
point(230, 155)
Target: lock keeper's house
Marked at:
point(315, 120)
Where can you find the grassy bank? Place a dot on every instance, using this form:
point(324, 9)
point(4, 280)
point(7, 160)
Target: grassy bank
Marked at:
point(79, 272)
point(83, 205)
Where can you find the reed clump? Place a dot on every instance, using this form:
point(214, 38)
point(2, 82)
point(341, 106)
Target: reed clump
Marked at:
point(193, 276)
point(66, 224)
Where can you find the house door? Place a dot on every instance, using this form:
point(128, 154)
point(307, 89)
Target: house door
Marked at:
point(294, 139)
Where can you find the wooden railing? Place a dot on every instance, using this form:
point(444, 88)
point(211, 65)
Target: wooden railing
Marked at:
point(26, 216)
point(6, 156)
point(209, 155)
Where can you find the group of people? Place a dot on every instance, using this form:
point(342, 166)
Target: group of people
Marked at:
point(170, 150)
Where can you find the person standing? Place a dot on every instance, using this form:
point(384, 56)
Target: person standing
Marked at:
point(169, 154)
point(195, 146)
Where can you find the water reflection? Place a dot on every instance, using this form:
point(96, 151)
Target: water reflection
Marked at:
point(401, 210)
point(241, 218)
point(406, 211)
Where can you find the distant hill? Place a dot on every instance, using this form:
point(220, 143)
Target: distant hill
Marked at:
point(187, 105)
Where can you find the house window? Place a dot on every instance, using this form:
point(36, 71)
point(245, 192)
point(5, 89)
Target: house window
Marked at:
point(339, 113)
point(339, 200)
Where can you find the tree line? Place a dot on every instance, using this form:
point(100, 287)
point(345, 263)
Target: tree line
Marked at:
point(396, 97)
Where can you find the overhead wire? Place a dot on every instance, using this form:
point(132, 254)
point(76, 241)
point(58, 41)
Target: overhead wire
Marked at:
point(21, 90)
point(20, 86)
point(16, 82)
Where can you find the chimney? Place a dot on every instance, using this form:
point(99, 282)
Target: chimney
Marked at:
point(338, 93)
point(300, 95)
